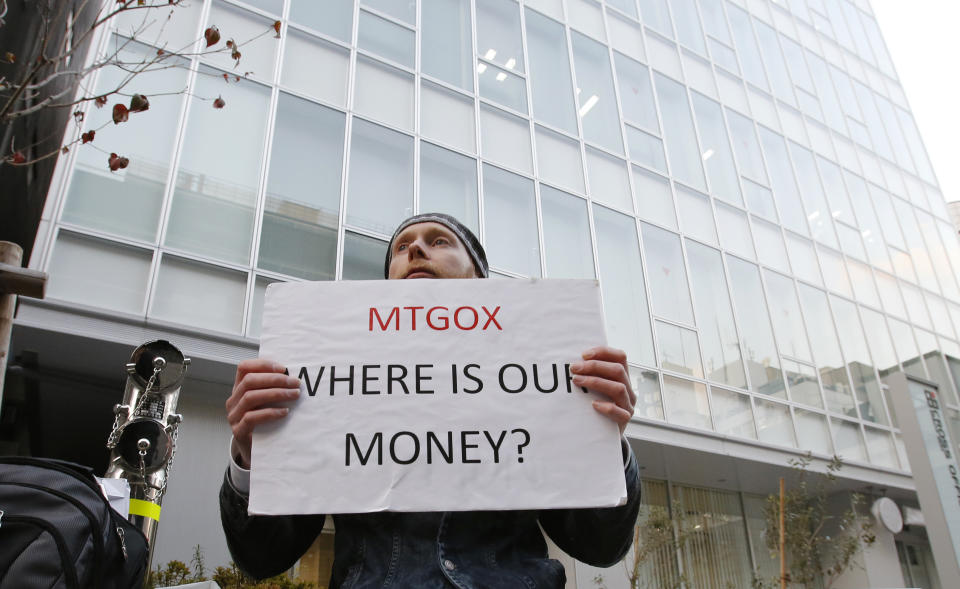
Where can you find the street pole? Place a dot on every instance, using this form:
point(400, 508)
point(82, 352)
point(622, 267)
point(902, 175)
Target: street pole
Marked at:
point(14, 280)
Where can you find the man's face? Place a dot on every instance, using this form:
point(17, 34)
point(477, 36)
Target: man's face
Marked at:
point(429, 250)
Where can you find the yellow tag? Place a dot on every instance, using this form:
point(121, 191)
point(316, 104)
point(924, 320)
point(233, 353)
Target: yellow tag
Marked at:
point(145, 509)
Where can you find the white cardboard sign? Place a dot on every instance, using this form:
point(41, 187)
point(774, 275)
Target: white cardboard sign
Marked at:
point(434, 395)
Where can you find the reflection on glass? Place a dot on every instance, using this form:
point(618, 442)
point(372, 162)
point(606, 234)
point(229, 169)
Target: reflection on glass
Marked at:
point(653, 197)
point(732, 413)
point(550, 83)
point(363, 257)
point(646, 385)
point(906, 347)
point(510, 212)
point(934, 360)
point(785, 313)
point(219, 183)
point(858, 361)
point(668, 278)
point(621, 281)
point(501, 86)
point(127, 202)
point(679, 351)
point(718, 334)
point(679, 135)
point(781, 179)
point(596, 101)
point(718, 552)
point(803, 258)
point(498, 34)
point(803, 383)
point(835, 272)
point(380, 184)
point(302, 206)
point(746, 147)
point(717, 157)
point(829, 360)
point(686, 403)
point(566, 235)
point(448, 184)
point(445, 51)
point(770, 245)
point(753, 318)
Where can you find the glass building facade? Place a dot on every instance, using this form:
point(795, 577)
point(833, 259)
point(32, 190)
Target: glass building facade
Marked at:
point(743, 177)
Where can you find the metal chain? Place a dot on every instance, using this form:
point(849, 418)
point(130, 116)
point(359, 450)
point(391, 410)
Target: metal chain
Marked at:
point(174, 431)
point(114, 436)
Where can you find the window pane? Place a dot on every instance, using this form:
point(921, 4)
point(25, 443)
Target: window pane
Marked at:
point(258, 53)
point(128, 202)
point(448, 184)
point(331, 17)
point(882, 450)
point(445, 51)
point(566, 235)
point(829, 361)
point(915, 307)
point(858, 361)
point(363, 257)
point(759, 200)
point(646, 385)
point(784, 186)
point(636, 95)
point(814, 200)
point(625, 36)
point(776, 68)
point(653, 197)
point(770, 245)
point(668, 278)
point(199, 295)
point(314, 67)
point(828, 97)
point(688, 25)
point(734, 231)
point(679, 350)
point(558, 159)
point(774, 425)
point(498, 33)
point(505, 139)
point(550, 83)
point(384, 93)
point(862, 280)
point(220, 183)
point(386, 39)
point(890, 295)
point(596, 100)
point(380, 185)
point(255, 319)
point(713, 20)
point(654, 14)
point(803, 259)
point(609, 183)
point(717, 554)
point(753, 318)
point(679, 135)
point(502, 87)
point(814, 435)
point(733, 413)
point(835, 272)
point(686, 403)
point(302, 207)
point(803, 383)
point(99, 273)
point(785, 312)
point(405, 11)
point(721, 346)
point(746, 46)
point(447, 117)
point(646, 149)
point(716, 156)
point(907, 350)
point(881, 346)
point(510, 210)
point(697, 216)
point(621, 279)
point(849, 441)
point(746, 147)
point(586, 16)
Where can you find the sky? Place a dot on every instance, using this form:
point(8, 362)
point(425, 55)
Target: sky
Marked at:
point(923, 38)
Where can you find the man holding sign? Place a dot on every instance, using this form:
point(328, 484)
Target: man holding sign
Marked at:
point(381, 483)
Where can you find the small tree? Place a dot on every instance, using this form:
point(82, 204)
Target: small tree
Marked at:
point(820, 545)
point(46, 78)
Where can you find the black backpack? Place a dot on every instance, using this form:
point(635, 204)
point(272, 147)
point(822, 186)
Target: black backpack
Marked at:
point(58, 531)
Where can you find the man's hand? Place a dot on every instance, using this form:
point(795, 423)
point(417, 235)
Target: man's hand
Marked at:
point(604, 370)
point(259, 386)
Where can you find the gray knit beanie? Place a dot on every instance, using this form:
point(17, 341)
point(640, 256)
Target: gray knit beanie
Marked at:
point(467, 238)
